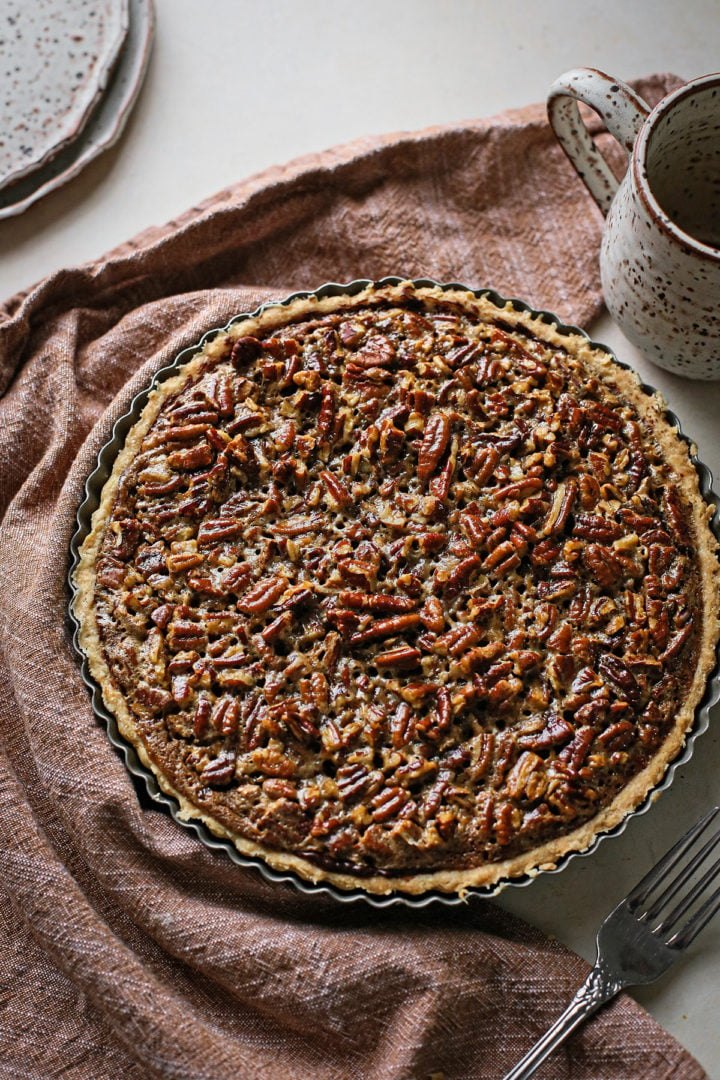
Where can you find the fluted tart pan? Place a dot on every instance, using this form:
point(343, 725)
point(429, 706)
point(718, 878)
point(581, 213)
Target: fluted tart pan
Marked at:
point(469, 471)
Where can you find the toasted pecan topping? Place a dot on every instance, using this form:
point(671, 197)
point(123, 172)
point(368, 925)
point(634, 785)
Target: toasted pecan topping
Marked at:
point(399, 590)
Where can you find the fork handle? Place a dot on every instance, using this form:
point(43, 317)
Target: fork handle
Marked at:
point(600, 986)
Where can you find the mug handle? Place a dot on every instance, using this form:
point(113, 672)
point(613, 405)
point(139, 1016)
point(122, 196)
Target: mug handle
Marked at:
point(623, 111)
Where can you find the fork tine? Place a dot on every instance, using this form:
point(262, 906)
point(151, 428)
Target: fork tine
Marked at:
point(681, 879)
point(691, 897)
point(667, 864)
point(699, 921)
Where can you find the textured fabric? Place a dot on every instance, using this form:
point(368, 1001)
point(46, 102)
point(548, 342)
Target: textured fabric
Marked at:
point(126, 947)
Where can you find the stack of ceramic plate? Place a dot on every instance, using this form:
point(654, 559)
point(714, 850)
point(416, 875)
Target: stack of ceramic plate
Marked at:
point(70, 72)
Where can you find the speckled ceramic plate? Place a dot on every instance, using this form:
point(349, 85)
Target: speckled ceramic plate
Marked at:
point(90, 503)
point(105, 124)
point(56, 57)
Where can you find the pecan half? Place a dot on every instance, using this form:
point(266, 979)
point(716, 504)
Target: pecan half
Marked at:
point(432, 614)
point(460, 575)
point(385, 628)
point(220, 772)
point(262, 596)
point(561, 508)
point(388, 803)
point(434, 444)
point(403, 657)
point(245, 350)
point(336, 490)
point(217, 529)
point(192, 458)
point(378, 603)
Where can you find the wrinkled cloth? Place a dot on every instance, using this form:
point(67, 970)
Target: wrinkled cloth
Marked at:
point(127, 948)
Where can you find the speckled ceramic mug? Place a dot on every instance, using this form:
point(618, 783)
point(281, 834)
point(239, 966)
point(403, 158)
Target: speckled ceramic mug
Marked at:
point(660, 254)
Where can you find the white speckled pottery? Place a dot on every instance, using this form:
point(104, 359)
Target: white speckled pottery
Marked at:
point(660, 254)
point(105, 125)
point(56, 57)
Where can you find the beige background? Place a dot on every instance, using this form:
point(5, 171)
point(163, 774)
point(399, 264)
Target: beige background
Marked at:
point(238, 85)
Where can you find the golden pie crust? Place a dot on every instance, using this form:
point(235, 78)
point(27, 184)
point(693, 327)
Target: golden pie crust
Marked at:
point(402, 590)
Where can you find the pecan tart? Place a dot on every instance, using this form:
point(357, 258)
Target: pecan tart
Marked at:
point(402, 590)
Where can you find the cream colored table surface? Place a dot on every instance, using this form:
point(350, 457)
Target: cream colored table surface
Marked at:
point(235, 86)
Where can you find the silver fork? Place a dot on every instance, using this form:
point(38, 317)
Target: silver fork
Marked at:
point(646, 933)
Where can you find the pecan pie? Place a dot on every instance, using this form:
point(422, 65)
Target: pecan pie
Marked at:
point(402, 590)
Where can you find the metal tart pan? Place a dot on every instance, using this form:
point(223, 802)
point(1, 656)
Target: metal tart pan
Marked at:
point(91, 500)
